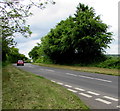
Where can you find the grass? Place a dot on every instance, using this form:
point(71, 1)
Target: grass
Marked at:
point(23, 90)
point(106, 71)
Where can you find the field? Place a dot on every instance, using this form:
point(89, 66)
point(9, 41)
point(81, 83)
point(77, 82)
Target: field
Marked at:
point(23, 90)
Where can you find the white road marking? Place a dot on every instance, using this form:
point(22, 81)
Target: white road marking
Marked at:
point(103, 101)
point(79, 89)
point(111, 98)
point(86, 95)
point(50, 70)
point(89, 77)
point(59, 83)
point(118, 106)
point(86, 77)
point(72, 90)
point(94, 93)
point(102, 80)
point(71, 74)
point(52, 80)
point(68, 85)
point(95, 78)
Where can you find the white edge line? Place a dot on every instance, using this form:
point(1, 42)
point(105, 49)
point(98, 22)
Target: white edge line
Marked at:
point(52, 81)
point(72, 90)
point(103, 101)
point(79, 89)
point(111, 98)
point(94, 93)
point(86, 95)
point(118, 106)
point(68, 85)
point(59, 83)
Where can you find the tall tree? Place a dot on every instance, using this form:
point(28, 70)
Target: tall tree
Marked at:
point(34, 53)
point(81, 38)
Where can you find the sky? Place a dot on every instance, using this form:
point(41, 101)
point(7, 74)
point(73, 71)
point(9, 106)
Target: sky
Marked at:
point(45, 19)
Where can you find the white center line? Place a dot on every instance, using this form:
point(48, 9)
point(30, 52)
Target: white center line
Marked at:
point(79, 89)
point(94, 93)
point(59, 83)
point(72, 90)
point(95, 78)
point(111, 98)
point(102, 80)
point(71, 74)
point(104, 101)
point(50, 70)
point(86, 77)
point(86, 95)
point(68, 85)
point(89, 77)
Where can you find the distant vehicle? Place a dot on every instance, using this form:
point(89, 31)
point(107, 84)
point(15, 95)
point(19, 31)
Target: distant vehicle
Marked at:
point(20, 63)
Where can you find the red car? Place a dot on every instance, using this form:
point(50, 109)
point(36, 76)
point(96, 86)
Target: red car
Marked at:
point(20, 62)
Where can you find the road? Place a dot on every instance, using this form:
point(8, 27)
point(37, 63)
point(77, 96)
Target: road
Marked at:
point(98, 91)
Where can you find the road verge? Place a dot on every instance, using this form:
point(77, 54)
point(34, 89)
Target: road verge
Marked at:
point(23, 90)
point(98, 70)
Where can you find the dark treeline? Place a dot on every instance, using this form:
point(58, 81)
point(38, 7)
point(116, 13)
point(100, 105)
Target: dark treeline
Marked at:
point(81, 38)
point(10, 54)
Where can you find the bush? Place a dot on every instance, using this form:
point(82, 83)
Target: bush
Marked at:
point(44, 59)
point(111, 62)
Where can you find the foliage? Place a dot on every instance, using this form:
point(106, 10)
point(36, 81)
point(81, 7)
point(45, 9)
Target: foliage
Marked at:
point(28, 61)
point(82, 38)
point(14, 55)
point(111, 62)
point(13, 16)
point(34, 53)
point(44, 59)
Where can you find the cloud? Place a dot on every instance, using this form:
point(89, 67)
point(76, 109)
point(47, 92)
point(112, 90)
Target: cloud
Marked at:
point(27, 46)
point(113, 50)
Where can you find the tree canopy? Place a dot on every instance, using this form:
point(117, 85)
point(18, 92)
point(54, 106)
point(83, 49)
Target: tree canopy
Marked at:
point(34, 53)
point(14, 55)
point(81, 38)
point(13, 14)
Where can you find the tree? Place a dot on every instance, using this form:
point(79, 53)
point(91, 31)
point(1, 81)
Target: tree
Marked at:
point(14, 55)
point(13, 16)
point(92, 33)
point(81, 38)
point(34, 53)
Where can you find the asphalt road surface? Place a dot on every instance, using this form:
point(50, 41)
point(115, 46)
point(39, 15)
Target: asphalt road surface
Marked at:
point(98, 91)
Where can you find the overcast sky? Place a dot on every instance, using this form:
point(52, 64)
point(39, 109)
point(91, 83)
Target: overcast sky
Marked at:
point(43, 20)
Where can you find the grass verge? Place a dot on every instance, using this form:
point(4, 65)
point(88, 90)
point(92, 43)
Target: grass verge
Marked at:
point(106, 71)
point(23, 90)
